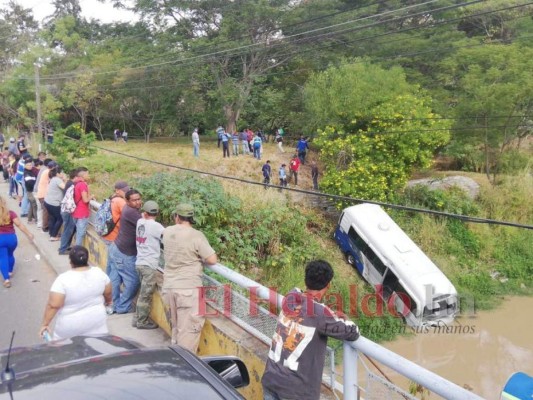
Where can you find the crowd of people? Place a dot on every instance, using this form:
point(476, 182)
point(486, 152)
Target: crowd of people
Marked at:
point(80, 298)
point(248, 142)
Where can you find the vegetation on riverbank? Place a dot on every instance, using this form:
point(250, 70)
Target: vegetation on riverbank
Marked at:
point(268, 235)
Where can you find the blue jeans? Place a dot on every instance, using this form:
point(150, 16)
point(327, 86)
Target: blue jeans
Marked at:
point(196, 149)
point(13, 186)
point(257, 152)
point(69, 225)
point(25, 206)
point(123, 272)
point(8, 244)
point(81, 229)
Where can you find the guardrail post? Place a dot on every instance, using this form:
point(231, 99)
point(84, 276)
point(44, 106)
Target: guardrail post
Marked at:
point(349, 364)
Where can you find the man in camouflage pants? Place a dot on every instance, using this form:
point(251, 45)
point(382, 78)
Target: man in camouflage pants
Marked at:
point(148, 240)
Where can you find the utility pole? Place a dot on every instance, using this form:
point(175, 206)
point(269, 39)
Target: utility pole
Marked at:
point(38, 100)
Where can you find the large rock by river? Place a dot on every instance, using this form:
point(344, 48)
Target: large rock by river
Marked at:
point(470, 186)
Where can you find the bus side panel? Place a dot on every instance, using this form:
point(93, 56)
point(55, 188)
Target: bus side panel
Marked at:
point(347, 248)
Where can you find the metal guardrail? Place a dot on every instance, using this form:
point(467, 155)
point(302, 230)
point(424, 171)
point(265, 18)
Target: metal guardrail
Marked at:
point(351, 350)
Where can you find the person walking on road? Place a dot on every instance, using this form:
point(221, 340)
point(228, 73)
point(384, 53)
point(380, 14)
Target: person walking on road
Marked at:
point(186, 250)
point(78, 298)
point(8, 240)
point(149, 234)
point(296, 357)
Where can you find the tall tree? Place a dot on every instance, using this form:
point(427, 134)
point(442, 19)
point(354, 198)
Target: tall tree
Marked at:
point(235, 40)
point(494, 91)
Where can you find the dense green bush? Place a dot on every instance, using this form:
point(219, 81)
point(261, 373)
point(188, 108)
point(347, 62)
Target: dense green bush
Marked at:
point(453, 200)
point(274, 238)
point(71, 145)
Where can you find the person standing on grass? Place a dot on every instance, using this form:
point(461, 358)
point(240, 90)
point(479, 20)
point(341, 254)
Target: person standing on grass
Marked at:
point(235, 141)
point(123, 255)
point(243, 136)
point(279, 141)
point(302, 146)
point(195, 143)
point(294, 167)
point(8, 240)
point(257, 142)
point(81, 198)
point(267, 173)
point(219, 131)
point(282, 176)
point(148, 236)
point(225, 144)
point(186, 251)
point(314, 175)
point(297, 354)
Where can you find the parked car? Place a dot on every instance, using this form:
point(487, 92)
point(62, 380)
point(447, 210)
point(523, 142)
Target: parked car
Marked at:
point(110, 367)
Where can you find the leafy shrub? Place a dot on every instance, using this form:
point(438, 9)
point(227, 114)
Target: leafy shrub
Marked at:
point(244, 236)
point(513, 161)
point(374, 156)
point(453, 200)
point(70, 145)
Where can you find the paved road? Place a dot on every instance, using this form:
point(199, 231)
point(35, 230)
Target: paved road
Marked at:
point(22, 305)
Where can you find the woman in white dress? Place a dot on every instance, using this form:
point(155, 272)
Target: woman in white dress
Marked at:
point(78, 297)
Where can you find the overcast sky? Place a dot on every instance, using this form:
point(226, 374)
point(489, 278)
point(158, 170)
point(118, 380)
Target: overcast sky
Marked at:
point(90, 9)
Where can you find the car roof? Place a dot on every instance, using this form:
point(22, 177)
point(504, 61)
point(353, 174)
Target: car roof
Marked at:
point(110, 368)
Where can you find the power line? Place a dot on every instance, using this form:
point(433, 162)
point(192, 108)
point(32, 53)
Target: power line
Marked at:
point(278, 42)
point(464, 218)
point(440, 23)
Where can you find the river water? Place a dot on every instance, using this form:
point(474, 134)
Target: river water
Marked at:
point(483, 352)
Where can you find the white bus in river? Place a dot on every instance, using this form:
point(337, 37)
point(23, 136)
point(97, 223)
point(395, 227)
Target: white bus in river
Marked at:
point(390, 261)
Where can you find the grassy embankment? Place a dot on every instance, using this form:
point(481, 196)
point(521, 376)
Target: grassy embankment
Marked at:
point(484, 261)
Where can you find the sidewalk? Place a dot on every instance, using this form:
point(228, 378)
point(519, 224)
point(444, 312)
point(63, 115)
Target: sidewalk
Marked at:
point(119, 324)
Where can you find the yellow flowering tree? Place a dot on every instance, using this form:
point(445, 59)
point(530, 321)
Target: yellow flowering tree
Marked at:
point(371, 152)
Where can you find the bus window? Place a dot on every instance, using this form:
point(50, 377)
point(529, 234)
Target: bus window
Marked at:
point(363, 247)
point(392, 285)
point(356, 240)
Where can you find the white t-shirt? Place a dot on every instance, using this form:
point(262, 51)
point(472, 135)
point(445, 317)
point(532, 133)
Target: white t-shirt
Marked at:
point(148, 240)
point(83, 312)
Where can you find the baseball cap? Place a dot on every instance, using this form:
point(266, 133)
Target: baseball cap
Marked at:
point(52, 164)
point(122, 185)
point(185, 210)
point(11, 139)
point(151, 207)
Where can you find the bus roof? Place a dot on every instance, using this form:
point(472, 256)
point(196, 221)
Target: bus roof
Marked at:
point(410, 264)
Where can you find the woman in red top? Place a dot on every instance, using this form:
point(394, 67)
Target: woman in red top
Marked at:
point(8, 240)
